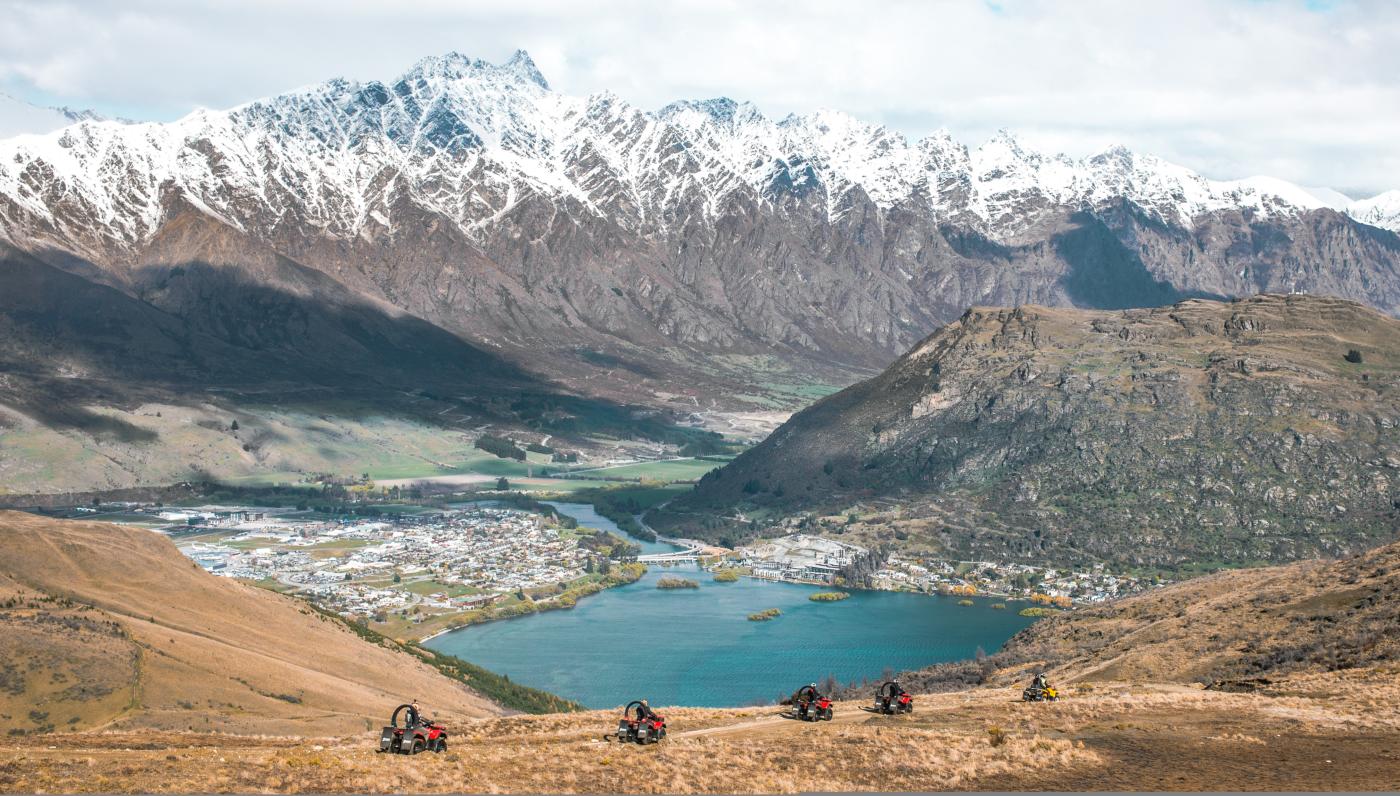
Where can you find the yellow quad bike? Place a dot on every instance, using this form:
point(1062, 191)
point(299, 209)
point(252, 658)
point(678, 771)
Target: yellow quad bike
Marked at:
point(1035, 694)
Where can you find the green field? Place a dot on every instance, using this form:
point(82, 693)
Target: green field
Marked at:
point(678, 470)
point(426, 587)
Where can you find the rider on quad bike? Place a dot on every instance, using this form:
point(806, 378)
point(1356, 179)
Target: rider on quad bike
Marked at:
point(809, 705)
point(1039, 690)
point(892, 698)
point(640, 724)
point(417, 733)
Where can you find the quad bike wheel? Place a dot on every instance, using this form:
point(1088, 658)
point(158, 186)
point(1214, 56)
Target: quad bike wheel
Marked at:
point(417, 746)
point(826, 715)
point(440, 745)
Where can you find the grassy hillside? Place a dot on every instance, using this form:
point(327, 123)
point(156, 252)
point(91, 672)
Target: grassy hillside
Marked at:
point(110, 626)
point(1311, 617)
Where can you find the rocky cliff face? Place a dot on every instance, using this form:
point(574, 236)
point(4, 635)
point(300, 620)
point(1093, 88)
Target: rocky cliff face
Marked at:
point(695, 245)
point(1265, 429)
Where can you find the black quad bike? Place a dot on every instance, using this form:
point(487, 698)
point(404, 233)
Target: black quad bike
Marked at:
point(891, 698)
point(639, 725)
point(808, 705)
point(415, 735)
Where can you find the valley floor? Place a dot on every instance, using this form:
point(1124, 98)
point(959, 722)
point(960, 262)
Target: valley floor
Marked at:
point(1308, 732)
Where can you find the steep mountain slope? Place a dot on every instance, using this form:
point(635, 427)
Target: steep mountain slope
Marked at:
point(111, 626)
point(102, 387)
point(703, 244)
point(1198, 432)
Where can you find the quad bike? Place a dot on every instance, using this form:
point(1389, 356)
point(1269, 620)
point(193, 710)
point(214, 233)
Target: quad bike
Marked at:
point(414, 736)
point(1038, 694)
point(808, 705)
point(638, 727)
point(891, 698)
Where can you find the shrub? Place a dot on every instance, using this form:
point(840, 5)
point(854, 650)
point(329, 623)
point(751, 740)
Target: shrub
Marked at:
point(500, 447)
point(670, 582)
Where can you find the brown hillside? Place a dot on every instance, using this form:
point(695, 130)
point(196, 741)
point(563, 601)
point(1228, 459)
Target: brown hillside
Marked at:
point(1237, 628)
point(1309, 616)
point(111, 626)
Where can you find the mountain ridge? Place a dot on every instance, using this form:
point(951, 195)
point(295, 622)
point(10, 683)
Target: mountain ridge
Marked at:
point(1257, 430)
point(704, 252)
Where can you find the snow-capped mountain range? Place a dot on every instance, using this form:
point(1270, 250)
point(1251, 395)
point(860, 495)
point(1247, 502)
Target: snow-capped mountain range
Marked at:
point(466, 138)
point(472, 195)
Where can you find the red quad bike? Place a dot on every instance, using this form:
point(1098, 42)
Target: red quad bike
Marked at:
point(892, 698)
point(808, 705)
point(410, 740)
point(634, 729)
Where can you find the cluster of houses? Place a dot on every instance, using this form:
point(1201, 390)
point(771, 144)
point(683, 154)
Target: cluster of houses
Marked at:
point(426, 563)
point(802, 558)
point(1058, 587)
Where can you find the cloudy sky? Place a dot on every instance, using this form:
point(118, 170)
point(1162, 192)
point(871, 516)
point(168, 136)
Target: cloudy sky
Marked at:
point(1306, 90)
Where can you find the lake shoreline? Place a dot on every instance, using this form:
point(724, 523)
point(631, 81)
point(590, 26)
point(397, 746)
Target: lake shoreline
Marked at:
point(541, 606)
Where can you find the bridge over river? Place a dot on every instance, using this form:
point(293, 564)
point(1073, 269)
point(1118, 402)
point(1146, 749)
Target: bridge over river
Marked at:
point(692, 554)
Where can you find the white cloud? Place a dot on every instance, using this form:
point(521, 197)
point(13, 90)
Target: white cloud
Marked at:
point(1306, 91)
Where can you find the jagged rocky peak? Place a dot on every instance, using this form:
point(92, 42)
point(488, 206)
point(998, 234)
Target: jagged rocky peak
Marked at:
point(496, 129)
point(455, 66)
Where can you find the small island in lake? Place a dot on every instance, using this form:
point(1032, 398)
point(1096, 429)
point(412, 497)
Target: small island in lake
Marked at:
point(765, 615)
point(828, 596)
point(670, 582)
point(727, 576)
point(965, 603)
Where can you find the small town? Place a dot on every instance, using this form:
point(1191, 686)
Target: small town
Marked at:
point(802, 558)
point(413, 565)
point(488, 561)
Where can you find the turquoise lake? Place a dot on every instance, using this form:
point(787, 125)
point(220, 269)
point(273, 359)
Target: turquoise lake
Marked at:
point(697, 647)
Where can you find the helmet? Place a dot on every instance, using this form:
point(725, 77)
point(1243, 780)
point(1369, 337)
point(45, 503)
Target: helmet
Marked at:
point(812, 685)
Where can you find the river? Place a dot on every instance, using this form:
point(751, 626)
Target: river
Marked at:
point(696, 646)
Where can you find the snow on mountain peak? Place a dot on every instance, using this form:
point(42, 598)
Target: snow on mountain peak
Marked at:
point(523, 65)
point(469, 140)
point(1382, 210)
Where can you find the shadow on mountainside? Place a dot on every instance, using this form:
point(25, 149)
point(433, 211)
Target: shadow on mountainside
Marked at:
point(1106, 275)
point(201, 333)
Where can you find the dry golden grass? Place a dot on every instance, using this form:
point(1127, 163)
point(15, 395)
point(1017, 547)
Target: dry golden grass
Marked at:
point(1132, 736)
point(1308, 616)
point(564, 754)
point(184, 650)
